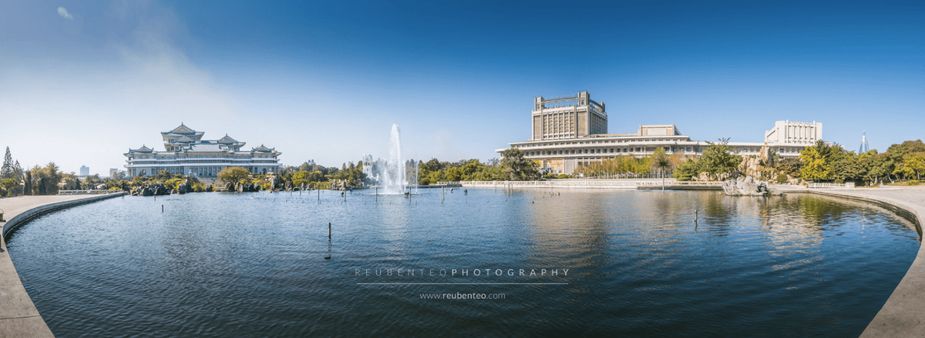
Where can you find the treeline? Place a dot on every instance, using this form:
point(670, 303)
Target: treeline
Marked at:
point(310, 175)
point(512, 167)
point(832, 163)
point(822, 162)
point(900, 163)
point(658, 164)
point(306, 176)
point(716, 163)
point(16, 181)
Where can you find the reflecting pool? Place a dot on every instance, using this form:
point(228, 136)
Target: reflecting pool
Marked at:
point(626, 263)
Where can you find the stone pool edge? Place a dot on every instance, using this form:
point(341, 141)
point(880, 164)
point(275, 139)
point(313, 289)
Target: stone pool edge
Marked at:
point(18, 314)
point(903, 314)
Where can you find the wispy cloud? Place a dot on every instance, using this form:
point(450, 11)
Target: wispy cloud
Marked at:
point(62, 12)
point(144, 82)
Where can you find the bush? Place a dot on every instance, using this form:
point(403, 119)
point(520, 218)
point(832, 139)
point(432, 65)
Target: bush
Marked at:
point(782, 178)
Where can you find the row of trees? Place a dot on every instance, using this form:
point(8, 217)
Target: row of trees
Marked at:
point(659, 164)
point(310, 175)
point(900, 162)
point(513, 166)
point(821, 162)
point(716, 163)
point(15, 181)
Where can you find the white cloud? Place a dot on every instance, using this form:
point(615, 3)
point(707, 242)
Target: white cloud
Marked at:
point(62, 12)
point(144, 83)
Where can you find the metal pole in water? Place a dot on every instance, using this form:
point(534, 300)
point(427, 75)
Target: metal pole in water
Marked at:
point(162, 208)
point(329, 231)
point(696, 219)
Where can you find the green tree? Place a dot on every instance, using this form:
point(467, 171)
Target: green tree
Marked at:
point(6, 171)
point(52, 176)
point(815, 167)
point(846, 166)
point(718, 161)
point(687, 170)
point(872, 168)
point(895, 157)
point(661, 162)
point(789, 167)
point(234, 176)
point(516, 167)
point(913, 165)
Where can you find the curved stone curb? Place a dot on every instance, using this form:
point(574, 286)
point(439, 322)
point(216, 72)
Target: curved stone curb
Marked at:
point(18, 315)
point(34, 213)
point(903, 314)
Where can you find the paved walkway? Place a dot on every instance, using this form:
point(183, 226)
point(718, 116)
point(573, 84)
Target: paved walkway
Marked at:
point(903, 315)
point(18, 316)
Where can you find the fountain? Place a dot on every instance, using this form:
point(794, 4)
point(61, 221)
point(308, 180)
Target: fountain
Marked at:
point(391, 175)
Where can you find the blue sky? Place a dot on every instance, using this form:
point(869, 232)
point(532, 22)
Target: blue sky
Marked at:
point(81, 81)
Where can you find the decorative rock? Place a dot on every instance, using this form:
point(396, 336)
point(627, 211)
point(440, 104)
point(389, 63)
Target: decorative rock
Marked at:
point(745, 186)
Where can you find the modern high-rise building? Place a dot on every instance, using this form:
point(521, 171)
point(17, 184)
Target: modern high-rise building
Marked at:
point(571, 132)
point(865, 146)
point(84, 171)
point(568, 117)
point(187, 153)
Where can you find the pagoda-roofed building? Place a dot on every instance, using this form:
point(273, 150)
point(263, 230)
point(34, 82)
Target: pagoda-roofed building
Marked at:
point(186, 153)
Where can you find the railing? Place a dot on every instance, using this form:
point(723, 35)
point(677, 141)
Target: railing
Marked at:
point(83, 192)
point(590, 183)
point(830, 185)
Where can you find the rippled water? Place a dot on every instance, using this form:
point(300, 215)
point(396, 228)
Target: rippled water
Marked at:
point(254, 264)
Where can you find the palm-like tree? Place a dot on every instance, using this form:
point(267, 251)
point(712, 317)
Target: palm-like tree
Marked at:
point(661, 161)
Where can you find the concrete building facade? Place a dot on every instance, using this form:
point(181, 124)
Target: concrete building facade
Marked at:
point(568, 117)
point(794, 132)
point(560, 143)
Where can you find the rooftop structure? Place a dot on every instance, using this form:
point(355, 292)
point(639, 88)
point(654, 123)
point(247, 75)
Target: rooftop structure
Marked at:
point(568, 117)
point(794, 133)
point(186, 153)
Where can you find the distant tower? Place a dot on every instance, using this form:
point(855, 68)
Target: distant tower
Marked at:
point(865, 147)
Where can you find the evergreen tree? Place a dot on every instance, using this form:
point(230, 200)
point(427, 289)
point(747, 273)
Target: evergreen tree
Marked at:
point(516, 167)
point(7, 170)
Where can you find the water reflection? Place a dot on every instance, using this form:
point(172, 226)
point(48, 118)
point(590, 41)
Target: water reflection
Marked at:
point(639, 264)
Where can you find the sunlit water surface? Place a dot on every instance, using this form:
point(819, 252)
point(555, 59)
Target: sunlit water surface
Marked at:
point(254, 264)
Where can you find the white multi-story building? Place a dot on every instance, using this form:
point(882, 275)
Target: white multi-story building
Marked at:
point(794, 133)
point(563, 149)
point(187, 153)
